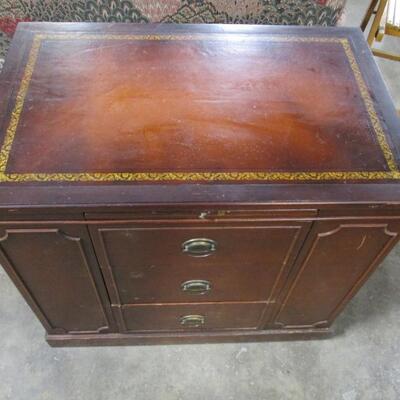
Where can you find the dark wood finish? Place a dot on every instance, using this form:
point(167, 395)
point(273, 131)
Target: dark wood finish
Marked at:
point(120, 142)
point(120, 339)
point(341, 254)
point(53, 268)
point(217, 316)
point(361, 149)
point(179, 116)
point(249, 263)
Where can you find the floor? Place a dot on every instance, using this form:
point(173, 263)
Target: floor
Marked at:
point(362, 362)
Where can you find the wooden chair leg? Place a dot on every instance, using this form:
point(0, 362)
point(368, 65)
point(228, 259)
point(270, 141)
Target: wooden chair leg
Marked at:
point(376, 22)
point(368, 15)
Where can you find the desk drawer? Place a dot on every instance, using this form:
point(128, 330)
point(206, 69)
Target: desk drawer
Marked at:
point(162, 264)
point(191, 317)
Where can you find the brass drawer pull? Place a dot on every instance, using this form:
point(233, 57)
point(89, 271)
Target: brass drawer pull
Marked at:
point(199, 247)
point(196, 286)
point(192, 321)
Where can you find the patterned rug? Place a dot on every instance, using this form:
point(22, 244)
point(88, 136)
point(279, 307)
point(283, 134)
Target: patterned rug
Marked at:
point(269, 12)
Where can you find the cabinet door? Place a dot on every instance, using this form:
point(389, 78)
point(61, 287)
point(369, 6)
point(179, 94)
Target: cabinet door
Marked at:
point(55, 269)
point(336, 260)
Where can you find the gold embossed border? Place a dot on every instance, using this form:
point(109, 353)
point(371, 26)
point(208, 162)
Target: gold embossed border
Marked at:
point(393, 172)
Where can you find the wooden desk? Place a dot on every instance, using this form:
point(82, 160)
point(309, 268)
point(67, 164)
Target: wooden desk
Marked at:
point(193, 183)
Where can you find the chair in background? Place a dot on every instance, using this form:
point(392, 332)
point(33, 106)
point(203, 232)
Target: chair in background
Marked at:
point(385, 22)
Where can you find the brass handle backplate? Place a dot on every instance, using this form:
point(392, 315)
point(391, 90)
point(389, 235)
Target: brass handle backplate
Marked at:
point(199, 247)
point(192, 321)
point(196, 286)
